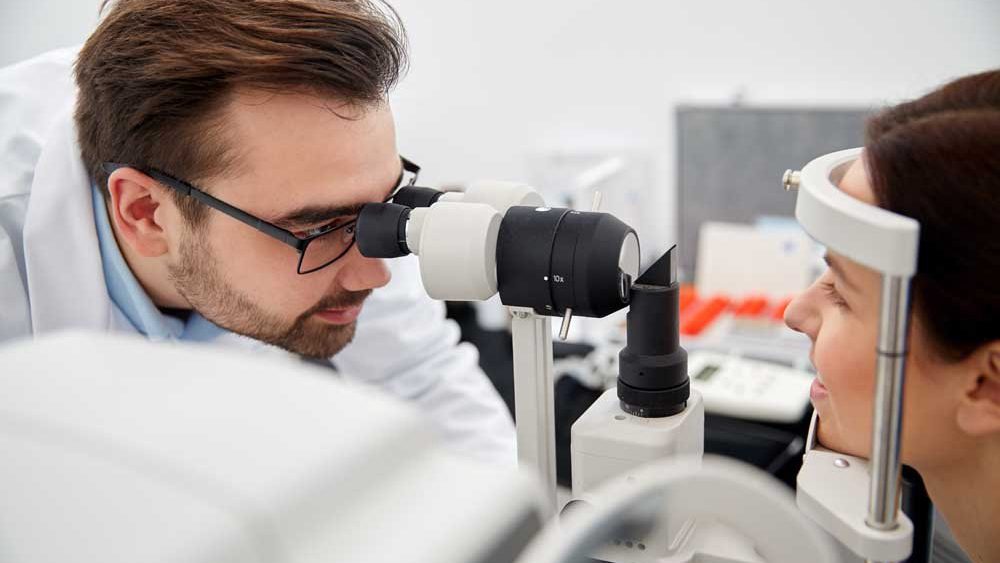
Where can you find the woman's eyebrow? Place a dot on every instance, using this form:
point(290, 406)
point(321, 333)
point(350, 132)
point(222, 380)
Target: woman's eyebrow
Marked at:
point(838, 269)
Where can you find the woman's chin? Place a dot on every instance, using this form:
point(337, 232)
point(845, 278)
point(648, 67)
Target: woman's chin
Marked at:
point(830, 437)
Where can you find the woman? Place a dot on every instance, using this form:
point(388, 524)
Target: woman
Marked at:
point(937, 160)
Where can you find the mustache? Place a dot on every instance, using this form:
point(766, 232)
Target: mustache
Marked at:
point(339, 301)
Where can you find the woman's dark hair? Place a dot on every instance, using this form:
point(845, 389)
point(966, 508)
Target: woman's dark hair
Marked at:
point(937, 159)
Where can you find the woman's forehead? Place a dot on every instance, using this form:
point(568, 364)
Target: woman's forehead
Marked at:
point(856, 184)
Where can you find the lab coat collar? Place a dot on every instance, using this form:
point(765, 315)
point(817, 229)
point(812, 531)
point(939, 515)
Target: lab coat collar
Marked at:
point(62, 260)
point(123, 288)
point(63, 265)
point(129, 296)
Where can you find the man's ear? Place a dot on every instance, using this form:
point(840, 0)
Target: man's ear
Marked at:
point(979, 409)
point(135, 199)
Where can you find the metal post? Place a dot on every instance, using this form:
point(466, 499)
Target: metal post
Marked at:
point(883, 500)
point(534, 400)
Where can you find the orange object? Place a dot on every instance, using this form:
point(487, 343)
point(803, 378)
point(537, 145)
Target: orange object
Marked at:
point(688, 295)
point(751, 306)
point(779, 311)
point(704, 315)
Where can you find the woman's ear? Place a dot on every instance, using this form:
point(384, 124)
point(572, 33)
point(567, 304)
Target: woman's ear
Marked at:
point(979, 409)
point(135, 198)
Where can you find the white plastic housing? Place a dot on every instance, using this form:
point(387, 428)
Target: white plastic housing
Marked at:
point(713, 510)
point(833, 491)
point(869, 235)
point(534, 397)
point(498, 195)
point(607, 442)
point(206, 455)
point(457, 245)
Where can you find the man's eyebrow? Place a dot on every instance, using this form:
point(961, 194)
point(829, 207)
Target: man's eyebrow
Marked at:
point(314, 214)
point(838, 268)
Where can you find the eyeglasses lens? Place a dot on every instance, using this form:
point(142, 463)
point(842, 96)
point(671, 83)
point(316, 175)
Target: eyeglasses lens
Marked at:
point(327, 248)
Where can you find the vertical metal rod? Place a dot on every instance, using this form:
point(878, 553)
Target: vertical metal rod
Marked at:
point(534, 398)
point(595, 205)
point(883, 499)
point(564, 329)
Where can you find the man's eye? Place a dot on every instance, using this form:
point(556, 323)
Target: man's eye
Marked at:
point(322, 229)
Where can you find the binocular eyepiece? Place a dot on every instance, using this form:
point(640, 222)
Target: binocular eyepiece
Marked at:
point(550, 260)
point(547, 259)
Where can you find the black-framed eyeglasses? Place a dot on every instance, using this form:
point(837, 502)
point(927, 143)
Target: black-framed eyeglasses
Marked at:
point(319, 248)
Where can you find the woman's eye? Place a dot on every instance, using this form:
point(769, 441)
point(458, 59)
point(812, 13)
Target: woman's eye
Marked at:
point(833, 295)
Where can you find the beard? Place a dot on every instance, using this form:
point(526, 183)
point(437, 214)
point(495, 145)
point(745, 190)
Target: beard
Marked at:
point(197, 278)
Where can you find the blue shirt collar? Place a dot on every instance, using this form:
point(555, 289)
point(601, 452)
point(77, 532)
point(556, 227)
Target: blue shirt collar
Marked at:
point(132, 300)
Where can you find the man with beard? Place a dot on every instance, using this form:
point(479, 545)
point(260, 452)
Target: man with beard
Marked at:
point(202, 185)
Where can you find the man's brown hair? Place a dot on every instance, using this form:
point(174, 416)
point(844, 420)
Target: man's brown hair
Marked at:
point(155, 75)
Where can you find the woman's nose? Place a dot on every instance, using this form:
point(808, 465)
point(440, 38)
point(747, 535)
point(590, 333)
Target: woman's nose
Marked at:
point(361, 274)
point(802, 316)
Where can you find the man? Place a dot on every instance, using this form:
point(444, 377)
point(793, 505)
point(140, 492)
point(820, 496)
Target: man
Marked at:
point(201, 183)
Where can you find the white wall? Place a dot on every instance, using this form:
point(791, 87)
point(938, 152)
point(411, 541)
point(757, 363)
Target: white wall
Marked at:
point(29, 27)
point(493, 81)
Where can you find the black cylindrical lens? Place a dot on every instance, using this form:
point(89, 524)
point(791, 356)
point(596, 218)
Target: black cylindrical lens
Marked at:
point(381, 230)
point(412, 196)
point(554, 259)
point(524, 257)
point(652, 378)
point(596, 240)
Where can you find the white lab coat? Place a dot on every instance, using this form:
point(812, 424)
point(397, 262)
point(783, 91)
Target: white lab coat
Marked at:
point(51, 276)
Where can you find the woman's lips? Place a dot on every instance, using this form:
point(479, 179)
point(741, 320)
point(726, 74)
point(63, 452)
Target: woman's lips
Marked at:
point(818, 391)
point(340, 316)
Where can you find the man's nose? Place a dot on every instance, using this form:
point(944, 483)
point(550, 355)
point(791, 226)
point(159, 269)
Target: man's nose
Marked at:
point(361, 274)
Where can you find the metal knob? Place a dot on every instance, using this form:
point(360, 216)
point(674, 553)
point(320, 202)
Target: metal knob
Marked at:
point(596, 205)
point(790, 179)
point(564, 328)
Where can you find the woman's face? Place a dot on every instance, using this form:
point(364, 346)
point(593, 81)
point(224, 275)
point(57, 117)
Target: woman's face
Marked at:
point(840, 314)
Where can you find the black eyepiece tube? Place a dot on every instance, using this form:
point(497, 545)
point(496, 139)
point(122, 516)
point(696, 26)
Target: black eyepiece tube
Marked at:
point(381, 230)
point(553, 259)
point(412, 196)
point(653, 379)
